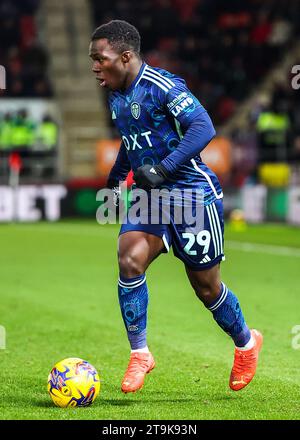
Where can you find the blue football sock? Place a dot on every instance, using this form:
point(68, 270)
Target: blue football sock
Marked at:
point(228, 314)
point(133, 299)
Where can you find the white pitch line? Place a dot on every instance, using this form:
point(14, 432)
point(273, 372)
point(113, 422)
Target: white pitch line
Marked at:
point(263, 248)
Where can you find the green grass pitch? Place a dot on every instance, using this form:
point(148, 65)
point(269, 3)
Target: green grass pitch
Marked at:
point(59, 299)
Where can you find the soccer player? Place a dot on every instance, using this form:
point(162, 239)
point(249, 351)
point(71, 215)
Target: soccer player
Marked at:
point(163, 128)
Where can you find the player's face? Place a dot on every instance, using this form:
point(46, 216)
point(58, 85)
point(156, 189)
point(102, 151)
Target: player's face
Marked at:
point(109, 66)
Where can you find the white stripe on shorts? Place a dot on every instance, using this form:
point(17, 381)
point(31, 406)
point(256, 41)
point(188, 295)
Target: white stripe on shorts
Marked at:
point(213, 230)
point(218, 226)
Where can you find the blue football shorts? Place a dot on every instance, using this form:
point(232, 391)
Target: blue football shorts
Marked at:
point(198, 248)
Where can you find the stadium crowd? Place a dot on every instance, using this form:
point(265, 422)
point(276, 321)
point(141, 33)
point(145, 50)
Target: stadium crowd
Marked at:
point(24, 57)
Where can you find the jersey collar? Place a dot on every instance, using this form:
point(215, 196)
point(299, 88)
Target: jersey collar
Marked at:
point(136, 80)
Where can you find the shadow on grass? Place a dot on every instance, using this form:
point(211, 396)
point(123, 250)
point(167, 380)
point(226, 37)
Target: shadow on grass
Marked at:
point(115, 402)
point(43, 403)
point(100, 402)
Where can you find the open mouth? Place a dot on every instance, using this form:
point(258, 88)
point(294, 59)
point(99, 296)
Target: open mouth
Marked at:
point(102, 82)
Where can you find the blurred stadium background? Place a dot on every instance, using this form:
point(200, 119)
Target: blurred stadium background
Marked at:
point(57, 140)
point(57, 144)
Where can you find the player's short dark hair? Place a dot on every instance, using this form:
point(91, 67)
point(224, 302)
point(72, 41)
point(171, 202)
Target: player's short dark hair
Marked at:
point(120, 34)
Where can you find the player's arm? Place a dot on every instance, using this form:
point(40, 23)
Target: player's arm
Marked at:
point(198, 130)
point(118, 173)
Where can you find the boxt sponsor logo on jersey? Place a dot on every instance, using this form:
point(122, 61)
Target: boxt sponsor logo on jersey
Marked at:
point(136, 140)
point(180, 103)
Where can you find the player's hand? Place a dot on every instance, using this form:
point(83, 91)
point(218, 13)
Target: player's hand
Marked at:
point(150, 176)
point(115, 187)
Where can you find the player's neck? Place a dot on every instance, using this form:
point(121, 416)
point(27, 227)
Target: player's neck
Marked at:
point(133, 72)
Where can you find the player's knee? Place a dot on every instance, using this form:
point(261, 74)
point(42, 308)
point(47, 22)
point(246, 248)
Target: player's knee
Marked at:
point(208, 293)
point(130, 265)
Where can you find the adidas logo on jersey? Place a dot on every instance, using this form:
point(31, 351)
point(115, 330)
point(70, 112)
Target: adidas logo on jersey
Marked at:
point(152, 170)
point(206, 259)
point(113, 115)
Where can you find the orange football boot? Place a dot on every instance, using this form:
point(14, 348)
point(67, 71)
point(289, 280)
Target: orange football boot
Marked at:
point(245, 363)
point(139, 365)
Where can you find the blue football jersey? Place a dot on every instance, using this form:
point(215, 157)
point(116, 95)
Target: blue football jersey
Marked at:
point(152, 116)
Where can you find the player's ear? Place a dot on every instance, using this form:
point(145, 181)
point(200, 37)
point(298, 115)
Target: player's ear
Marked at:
point(126, 56)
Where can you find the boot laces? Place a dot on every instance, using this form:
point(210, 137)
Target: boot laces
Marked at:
point(137, 364)
point(244, 361)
